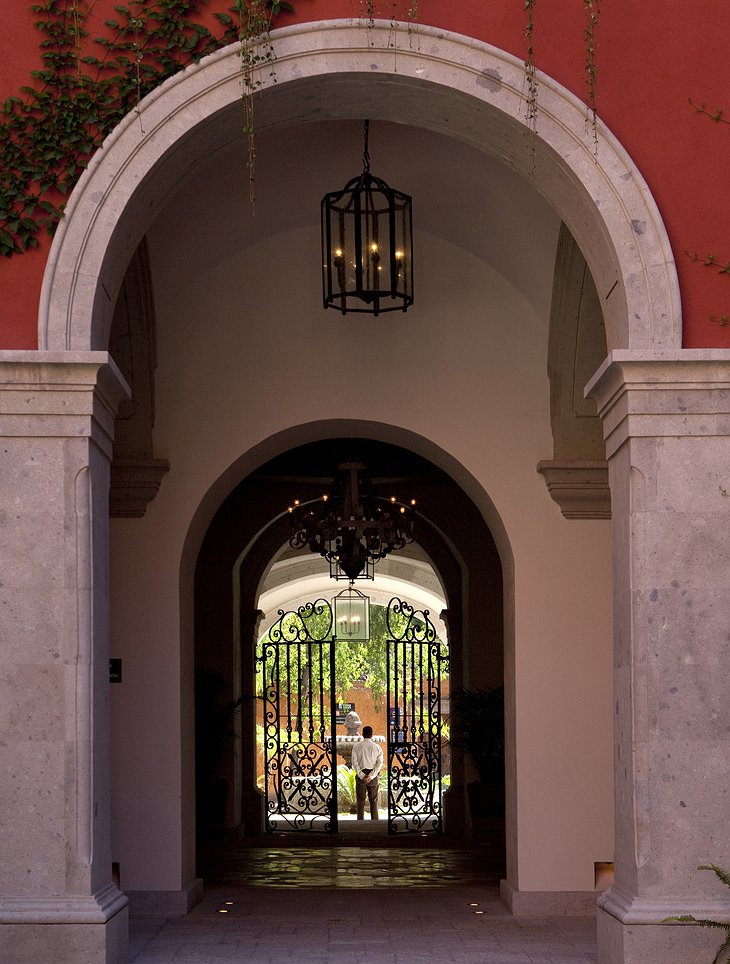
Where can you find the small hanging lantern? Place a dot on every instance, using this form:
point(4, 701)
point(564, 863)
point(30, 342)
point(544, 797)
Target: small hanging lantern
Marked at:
point(352, 615)
point(367, 246)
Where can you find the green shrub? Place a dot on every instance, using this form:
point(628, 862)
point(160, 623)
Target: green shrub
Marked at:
point(346, 793)
point(724, 948)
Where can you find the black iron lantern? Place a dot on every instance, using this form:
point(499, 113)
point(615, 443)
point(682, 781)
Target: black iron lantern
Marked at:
point(367, 245)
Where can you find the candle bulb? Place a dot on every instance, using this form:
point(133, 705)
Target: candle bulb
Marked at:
point(339, 262)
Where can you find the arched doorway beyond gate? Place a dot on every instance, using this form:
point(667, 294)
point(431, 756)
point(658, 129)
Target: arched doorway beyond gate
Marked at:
point(476, 616)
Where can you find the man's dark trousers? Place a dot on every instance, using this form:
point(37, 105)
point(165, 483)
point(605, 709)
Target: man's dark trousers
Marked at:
point(370, 790)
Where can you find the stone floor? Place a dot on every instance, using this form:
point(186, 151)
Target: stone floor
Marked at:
point(358, 904)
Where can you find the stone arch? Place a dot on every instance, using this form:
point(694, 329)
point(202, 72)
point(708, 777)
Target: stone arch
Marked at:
point(447, 83)
point(444, 552)
point(226, 583)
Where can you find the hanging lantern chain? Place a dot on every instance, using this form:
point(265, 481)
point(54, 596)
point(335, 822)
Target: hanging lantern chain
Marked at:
point(366, 155)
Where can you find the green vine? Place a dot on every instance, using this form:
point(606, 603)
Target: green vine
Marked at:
point(722, 955)
point(84, 87)
point(254, 21)
point(710, 261)
point(593, 12)
point(717, 115)
point(530, 70)
point(394, 11)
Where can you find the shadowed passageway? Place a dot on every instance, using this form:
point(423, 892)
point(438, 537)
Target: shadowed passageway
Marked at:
point(352, 905)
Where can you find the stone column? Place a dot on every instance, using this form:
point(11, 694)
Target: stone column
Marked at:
point(667, 429)
point(57, 899)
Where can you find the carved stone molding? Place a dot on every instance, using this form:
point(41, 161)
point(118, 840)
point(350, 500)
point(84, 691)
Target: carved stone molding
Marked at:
point(134, 485)
point(579, 488)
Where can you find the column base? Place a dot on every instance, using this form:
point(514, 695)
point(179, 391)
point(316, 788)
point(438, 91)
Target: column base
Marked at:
point(35, 932)
point(548, 903)
point(620, 943)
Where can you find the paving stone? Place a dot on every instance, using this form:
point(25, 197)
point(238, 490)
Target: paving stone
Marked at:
point(314, 906)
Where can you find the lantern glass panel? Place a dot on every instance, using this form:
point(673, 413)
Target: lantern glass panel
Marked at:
point(367, 248)
point(352, 615)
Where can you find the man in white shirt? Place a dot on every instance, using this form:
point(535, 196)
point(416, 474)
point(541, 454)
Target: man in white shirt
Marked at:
point(367, 759)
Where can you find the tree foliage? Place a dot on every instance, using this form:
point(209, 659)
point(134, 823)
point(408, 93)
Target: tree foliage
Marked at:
point(354, 661)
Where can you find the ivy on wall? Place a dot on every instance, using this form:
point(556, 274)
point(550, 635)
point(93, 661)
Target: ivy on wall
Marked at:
point(592, 13)
point(85, 86)
point(717, 116)
point(530, 68)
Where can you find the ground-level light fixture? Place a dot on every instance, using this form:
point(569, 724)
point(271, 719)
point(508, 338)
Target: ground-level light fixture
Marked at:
point(352, 615)
point(367, 245)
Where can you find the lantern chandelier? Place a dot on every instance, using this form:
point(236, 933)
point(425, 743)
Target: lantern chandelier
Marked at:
point(352, 527)
point(352, 615)
point(367, 246)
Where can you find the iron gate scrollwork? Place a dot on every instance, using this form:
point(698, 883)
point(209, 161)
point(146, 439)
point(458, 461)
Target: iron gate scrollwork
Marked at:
point(415, 663)
point(297, 661)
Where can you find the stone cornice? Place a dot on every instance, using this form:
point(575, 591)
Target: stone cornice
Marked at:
point(55, 393)
point(580, 488)
point(664, 394)
point(133, 485)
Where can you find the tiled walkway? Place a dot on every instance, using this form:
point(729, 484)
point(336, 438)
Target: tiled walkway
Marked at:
point(352, 904)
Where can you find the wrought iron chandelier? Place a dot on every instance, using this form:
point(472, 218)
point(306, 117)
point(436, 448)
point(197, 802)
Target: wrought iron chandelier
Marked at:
point(367, 245)
point(352, 527)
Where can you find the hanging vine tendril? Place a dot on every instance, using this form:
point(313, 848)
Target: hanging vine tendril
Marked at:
point(593, 12)
point(85, 86)
point(530, 70)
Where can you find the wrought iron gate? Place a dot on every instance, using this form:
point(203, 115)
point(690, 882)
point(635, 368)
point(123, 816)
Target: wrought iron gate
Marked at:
point(297, 661)
point(415, 663)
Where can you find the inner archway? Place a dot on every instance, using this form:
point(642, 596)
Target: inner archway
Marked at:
point(452, 539)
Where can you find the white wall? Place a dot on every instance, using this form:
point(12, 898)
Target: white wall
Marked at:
point(246, 351)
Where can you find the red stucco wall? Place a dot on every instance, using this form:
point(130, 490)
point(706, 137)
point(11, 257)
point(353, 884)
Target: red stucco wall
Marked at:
point(652, 57)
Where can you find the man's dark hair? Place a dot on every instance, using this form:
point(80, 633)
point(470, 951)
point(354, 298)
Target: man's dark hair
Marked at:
point(367, 732)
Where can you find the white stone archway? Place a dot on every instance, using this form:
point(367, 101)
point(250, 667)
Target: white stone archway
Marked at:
point(665, 418)
point(441, 81)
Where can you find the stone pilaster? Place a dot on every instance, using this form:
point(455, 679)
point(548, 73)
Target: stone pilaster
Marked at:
point(57, 899)
point(667, 429)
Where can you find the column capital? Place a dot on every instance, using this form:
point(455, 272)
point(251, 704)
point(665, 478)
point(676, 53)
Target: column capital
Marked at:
point(60, 394)
point(666, 394)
